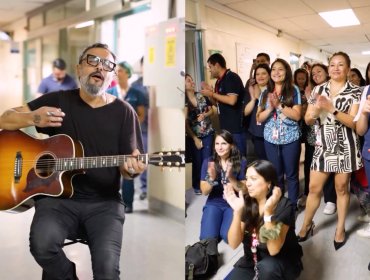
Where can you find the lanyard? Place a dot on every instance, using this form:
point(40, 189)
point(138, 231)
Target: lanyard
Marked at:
point(254, 245)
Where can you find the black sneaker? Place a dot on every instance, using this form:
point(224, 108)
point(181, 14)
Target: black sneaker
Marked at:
point(128, 210)
point(142, 196)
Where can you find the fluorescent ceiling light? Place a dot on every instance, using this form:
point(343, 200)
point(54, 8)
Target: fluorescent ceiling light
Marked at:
point(340, 18)
point(366, 52)
point(85, 24)
point(4, 36)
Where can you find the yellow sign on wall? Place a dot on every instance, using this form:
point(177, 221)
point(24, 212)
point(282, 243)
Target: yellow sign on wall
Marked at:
point(170, 56)
point(151, 55)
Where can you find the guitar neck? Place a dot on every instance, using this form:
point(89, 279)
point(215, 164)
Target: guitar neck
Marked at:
point(62, 164)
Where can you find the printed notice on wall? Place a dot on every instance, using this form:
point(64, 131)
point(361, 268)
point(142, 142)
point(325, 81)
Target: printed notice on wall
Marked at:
point(151, 55)
point(244, 61)
point(170, 56)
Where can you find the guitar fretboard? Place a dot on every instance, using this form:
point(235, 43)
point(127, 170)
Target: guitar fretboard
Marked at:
point(94, 162)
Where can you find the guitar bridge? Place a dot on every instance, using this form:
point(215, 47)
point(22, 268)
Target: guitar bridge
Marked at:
point(18, 167)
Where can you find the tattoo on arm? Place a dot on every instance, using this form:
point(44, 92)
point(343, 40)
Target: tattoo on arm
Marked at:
point(37, 119)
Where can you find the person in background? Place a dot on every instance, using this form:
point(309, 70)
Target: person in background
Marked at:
point(280, 109)
point(264, 222)
point(362, 129)
point(334, 104)
point(58, 80)
point(262, 78)
point(199, 130)
point(367, 74)
point(139, 84)
point(251, 151)
point(105, 126)
point(228, 96)
point(356, 78)
point(226, 165)
point(137, 100)
point(319, 74)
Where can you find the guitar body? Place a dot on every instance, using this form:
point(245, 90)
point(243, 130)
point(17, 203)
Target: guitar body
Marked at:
point(27, 168)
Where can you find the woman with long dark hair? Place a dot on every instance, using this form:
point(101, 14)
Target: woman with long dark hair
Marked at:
point(225, 166)
point(264, 222)
point(280, 109)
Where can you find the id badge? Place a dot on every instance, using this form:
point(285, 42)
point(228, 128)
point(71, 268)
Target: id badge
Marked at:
point(275, 134)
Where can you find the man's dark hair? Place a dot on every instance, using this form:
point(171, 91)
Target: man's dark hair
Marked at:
point(93, 46)
point(217, 58)
point(265, 55)
point(59, 63)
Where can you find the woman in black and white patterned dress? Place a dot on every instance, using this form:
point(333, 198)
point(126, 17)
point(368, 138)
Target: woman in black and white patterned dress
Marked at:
point(332, 108)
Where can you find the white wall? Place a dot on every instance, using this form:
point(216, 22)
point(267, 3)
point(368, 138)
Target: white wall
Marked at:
point(223, 32)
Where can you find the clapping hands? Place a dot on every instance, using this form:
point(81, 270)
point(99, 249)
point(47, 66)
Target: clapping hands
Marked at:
point(235, 202)
point(272, 201)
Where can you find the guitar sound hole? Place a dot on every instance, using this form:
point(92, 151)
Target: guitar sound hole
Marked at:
point(45, 166)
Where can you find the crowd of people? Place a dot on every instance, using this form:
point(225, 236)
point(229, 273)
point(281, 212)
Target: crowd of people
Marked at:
point(323, 109)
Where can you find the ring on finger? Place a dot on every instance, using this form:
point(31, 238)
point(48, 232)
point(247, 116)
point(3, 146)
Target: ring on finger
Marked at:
point(49, 113)
point(131, 170)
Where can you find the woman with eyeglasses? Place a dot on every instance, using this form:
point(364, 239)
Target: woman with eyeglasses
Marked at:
point(264, 222)
point(137, 100)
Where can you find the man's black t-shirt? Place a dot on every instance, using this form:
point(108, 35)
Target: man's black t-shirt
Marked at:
point(112, 129)
point(231, 116)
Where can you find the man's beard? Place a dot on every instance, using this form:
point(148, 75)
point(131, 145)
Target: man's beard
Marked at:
point(93, 89)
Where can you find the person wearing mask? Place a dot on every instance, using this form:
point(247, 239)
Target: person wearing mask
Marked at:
point(105, 126)
point(199, 129)
point(226, 165)
point(334, 104)
point(58, 80)
point(264, 222)
point(228, 97)
point(280, 109)
point(137, 100)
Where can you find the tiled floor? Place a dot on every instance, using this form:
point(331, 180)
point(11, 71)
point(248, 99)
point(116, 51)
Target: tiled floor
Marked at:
point(152, 249)
point(321, 261)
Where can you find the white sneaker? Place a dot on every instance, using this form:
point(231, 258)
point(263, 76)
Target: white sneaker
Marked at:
point(364, 218)
point(365, 232)
point(330, 208)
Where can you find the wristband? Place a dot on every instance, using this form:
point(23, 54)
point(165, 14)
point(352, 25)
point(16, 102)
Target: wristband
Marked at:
point(210, 181)
point(267, 219)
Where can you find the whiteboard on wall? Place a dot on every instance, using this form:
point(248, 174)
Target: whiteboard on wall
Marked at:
point(244, 61)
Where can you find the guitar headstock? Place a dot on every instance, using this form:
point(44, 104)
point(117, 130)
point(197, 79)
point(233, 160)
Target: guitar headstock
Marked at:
point(168, 159)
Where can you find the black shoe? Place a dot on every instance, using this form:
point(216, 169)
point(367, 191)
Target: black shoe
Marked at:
point(309, 232)
point(368, 267)
point(128, 210)
point(142, 196)
point(338, 245)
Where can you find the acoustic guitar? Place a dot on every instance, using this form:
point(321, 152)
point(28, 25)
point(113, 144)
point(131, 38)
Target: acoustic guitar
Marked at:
point(31, 167)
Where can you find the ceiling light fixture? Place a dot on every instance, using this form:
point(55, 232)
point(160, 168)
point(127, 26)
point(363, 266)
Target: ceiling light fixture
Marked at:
point(340, 18)
point(4, 36)
point(85, 24)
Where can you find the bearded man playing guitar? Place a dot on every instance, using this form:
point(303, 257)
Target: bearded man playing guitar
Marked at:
point(104, 126)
